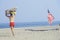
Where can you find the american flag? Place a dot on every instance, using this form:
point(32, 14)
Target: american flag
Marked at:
point(50, 17)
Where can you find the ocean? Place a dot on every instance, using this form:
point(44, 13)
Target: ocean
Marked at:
point(28, 24)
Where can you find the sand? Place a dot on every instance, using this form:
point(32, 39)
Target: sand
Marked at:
point(31, 33)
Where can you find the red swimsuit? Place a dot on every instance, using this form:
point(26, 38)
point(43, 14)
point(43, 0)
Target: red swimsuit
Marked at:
point(11, 24)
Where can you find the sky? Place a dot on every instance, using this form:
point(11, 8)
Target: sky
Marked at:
point(30, 10)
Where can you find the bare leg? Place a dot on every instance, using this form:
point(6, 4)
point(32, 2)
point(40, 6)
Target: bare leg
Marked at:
point(12, 30)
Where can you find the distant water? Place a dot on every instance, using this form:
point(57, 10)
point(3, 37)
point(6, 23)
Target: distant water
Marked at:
point(28, 24)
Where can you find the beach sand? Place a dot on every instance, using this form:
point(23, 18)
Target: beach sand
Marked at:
point(31, 33)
